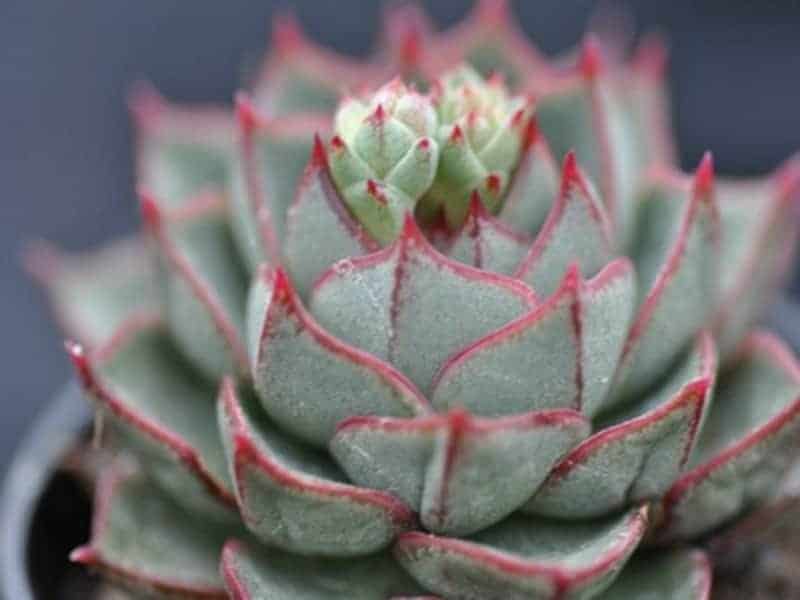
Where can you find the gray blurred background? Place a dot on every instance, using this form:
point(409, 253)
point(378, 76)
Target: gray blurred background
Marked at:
point(65, 159)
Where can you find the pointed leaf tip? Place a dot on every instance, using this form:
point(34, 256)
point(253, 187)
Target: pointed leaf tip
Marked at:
point(493, 12)
point(151, 213)
point(246, 114)
point(84, 555)
point(652, 56)
point(570, 172)
point(378, 116)
point(287, 35)
point(704, 176)
point(456, 135)
point(319, 157)
point(80, 362)
point(590, 62)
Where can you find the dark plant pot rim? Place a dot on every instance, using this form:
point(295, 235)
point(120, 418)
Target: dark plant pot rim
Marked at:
point(57, 428)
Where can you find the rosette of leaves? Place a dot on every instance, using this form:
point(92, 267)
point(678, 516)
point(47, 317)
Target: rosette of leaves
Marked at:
point(465, 337)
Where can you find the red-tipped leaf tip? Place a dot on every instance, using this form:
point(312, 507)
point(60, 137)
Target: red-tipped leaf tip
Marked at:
point(375, 191)
point(531, 133)
point(151, 213)
point(704, 176)
point(492, 12)
point(84, 555)
point(493, 183)
point(80, 362)
point(246, 113)
point(570, 173)
point(652, 55)
point(319, 158)
point(287, 35)
point(424, 144)
point(456, 135)
point(410, 229)
point(337, 143)
point(591, 57)
point(378, 116)
point(475, 204)
point(572, 278)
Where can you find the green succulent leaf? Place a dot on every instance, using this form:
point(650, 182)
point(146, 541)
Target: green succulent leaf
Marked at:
point(487, 243)
point(418, 306)
point(560, 355)
point(677, 575)
point(524, 558)
point(576, 230)
point(264, 174)
point(746, 444)
point(294, 497)
point(181, 152)
point(145, 540)
point(307, 380)
point(461, 473)
point(640, 453)
point(92, 294)
point(253, 573)
point(202, 283)
point(677, 261)
point(160, 408)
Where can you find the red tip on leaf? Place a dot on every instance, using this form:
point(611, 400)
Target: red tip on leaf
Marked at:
point(77, 354)
point(337, 143)
point(788, 178)
point(458, 420)
point(282, 289)
point(456, 136)
point(517, 119)
point(570, 173)
point(572, 279)
point(652, 56)
point(84, 555)
point(319, 158)
point(531, 133)
point(704, 177)
point(151, 213)
point(424, 144)
point(492, 12)
point(591, 58)
point(246, 113)
point(377, 117)
point(375, 192)
point(493, 183)
point(476, 208)
point(410, 46)
point(145, 103)
point(287, 35)
point(410, 230)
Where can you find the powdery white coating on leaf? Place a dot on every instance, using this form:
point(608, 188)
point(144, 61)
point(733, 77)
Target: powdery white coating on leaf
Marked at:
point(411, 306)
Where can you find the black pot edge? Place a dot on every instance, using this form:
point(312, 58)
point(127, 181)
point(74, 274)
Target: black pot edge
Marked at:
point(34, 462)
point(56, 429)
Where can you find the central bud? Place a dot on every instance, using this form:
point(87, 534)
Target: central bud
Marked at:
point(482, 131)
point(384, 156)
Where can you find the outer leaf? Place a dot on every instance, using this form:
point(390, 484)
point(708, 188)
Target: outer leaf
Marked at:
point(679, 575)
point(560, 355)
point(302, 77)
point(162, 410)
point(758, 238)
point(202, 283)
point(320, 229)
point(267, 169)
point(308, 381)
point(295, 498)
point(534, 185)
point(405, 43)
point(576, 230)
point(141, 538)
point(92, 294)
point(640, 455)
point(678, 266)
point(268, 573)
point(486, 243)
point(462, 474)
point(524, 558)
point(745, 446)
point(181, 152)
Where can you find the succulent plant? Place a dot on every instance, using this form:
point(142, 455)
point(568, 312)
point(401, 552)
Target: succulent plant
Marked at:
point(477, 338)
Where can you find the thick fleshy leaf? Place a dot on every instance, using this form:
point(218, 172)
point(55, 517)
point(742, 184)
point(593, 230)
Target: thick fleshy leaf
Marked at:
point(487, 243)
point(576, 230)
point(561, 355)
point(676, 256)
point(411, 306)
point(583, 111)
point(461, 473)
point(320, 228)
point(524, 558)
point(307, 380)
point(301, 77)
point(678, 575)
point(266, 573)
point(639, 455)
point(161, 410)
point(203, 285)
point(91, 294)
point(758, 233)
point(534, 186)
point(294, 497)
point(405, 42)
point(268, 167)
point(746, 444)
point(490, 40)
point(181, 152)
point(145, 540)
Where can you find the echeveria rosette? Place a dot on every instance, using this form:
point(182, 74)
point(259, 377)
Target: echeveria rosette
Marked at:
point(329, 398)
